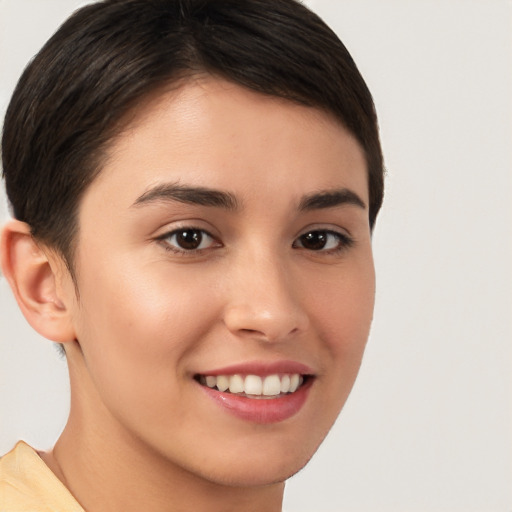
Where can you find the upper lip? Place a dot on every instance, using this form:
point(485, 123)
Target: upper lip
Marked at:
point(262, 368)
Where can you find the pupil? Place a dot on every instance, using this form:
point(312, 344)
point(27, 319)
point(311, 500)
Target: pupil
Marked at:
point(189, 239)
point(315, 240)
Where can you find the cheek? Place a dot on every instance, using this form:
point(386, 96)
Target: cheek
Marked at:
point(138, 324)
point(343, 312)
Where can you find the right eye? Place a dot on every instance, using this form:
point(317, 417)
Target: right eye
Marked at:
point(188, 240)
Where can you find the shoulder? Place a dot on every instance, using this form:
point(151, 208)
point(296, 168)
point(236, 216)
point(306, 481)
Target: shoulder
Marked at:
point(27, 484)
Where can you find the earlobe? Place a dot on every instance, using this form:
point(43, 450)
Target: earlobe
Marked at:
point(35, 283)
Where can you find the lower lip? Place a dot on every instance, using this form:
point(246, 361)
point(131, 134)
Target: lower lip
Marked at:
point(261, 410)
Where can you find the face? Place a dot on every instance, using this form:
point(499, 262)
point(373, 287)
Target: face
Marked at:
point(226, 282)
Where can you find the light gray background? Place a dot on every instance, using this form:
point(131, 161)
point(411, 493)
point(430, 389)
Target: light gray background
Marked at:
point(428, 426)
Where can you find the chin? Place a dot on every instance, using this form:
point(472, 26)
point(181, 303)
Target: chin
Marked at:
point(260, 466)
point(251, 475)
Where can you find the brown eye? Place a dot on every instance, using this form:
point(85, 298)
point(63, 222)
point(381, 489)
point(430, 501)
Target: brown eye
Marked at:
point(314, 241)
point(188, 239)
point(319, 240)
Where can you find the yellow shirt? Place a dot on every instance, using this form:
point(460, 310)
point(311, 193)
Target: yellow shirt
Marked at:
point(28, 485)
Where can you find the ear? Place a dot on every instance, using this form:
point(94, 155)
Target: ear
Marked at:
point(36, 280)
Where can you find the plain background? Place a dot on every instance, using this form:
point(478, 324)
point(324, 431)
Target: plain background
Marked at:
point(428, 426)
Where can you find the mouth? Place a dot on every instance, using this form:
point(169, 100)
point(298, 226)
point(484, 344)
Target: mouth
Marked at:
point(256, 386)
point(259, 392)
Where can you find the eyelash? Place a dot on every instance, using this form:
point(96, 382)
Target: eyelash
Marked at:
point(343, 243)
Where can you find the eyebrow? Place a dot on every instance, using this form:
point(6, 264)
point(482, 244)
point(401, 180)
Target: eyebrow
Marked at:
point(330, 199)
point(204, 196)
point(201, 196)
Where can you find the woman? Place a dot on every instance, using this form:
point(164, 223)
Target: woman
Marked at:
point(194, 186)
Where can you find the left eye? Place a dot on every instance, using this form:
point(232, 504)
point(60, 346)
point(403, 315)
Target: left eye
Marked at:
point(188, 239)
point(322, 240)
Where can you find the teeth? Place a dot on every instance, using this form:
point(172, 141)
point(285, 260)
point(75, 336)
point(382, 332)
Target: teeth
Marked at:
point(222, 383)
point(254, 385)
point(211, 382)
point(236, 384)
point(272, 385)
point(294, 382)
point(285, 384)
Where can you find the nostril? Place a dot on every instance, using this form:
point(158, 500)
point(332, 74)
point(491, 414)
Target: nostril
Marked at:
point(252, 331)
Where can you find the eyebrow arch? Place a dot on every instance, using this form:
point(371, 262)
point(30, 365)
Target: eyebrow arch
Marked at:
point(330, 199)
point(201, 196)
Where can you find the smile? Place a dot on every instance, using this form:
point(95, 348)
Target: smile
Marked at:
point(254, 386)
point(258, 396)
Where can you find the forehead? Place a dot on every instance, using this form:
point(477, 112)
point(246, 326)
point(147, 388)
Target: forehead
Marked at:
point(216, 133)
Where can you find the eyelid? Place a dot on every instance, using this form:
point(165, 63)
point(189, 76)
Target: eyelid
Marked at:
point(330, 226)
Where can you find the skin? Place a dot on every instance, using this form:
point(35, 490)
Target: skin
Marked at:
point(142, 434)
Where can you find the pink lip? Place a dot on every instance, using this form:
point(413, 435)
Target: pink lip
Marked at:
point(262, 410)
point(272, 410)
point(262, 368)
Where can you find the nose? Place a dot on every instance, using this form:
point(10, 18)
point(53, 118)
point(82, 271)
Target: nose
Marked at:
point(264, 301)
